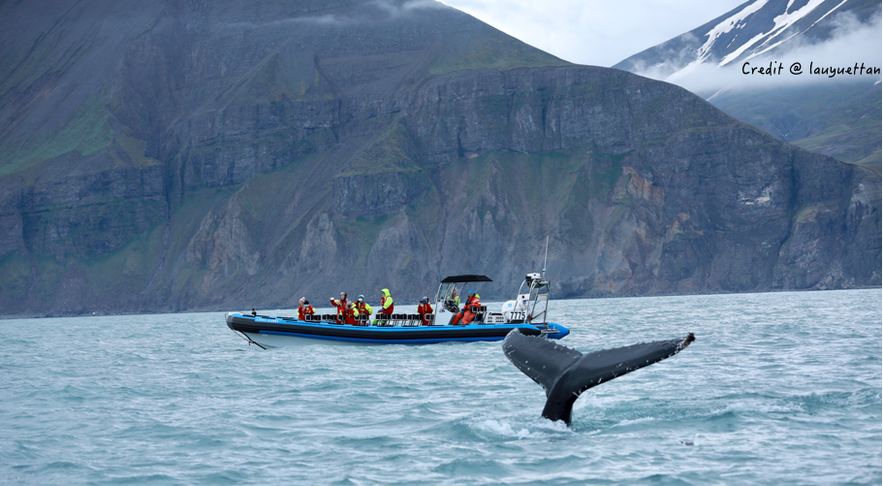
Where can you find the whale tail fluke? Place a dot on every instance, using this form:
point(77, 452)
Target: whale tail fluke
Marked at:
point(565, 373)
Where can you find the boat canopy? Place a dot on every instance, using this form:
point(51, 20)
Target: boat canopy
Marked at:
point(465, 278)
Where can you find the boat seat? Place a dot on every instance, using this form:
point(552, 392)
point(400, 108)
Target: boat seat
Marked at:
point(383, 320)
point(479, 316)
point(430, 320)
point(413, 320)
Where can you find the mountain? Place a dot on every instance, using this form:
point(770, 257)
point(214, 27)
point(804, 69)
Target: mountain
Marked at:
point(838, 116)
point(184, 155)
point(757, 28)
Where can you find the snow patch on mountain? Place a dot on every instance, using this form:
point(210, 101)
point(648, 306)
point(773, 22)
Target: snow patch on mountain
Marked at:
point(761, 31)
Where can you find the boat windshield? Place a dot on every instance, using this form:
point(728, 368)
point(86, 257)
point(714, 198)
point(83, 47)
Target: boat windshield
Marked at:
point(449, 295)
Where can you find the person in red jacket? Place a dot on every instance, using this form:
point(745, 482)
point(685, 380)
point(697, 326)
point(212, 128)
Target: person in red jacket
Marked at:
point(363, 310)
point(304, 309)
point(473, 302)
point(349, 315)
point(341, 305)
point(424, 309)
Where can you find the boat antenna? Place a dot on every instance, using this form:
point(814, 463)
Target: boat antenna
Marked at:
point(547, 257)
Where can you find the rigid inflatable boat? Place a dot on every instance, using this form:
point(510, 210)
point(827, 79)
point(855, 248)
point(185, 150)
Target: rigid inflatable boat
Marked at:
point(527, 313)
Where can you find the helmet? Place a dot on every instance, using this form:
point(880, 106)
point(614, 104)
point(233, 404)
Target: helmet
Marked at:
point(426, 298)
point(471, 291)
point(361, 298)
point(343, 294)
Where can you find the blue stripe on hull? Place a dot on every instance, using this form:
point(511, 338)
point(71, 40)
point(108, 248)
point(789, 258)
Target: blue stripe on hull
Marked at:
point(381, 341)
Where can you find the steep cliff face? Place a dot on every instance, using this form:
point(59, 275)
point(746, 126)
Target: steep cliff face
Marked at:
point(250, 153)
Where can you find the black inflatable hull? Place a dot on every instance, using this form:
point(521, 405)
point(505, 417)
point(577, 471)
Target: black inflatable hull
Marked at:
point(267, 331)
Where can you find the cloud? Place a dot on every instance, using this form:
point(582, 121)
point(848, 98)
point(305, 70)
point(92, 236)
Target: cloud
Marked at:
point(594, 32)
point(395, 8)
point(851, 43)
point(387, 8)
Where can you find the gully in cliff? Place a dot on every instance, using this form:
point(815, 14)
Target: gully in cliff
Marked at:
point(528, 313)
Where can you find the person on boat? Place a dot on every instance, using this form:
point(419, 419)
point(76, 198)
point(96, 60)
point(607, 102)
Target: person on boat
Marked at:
point(452, 295)
point(386, 305)
point(341, 305)
point(363, 309)
point(473, 302)
point(424, 309)
point(304, 309)
point(350, 314)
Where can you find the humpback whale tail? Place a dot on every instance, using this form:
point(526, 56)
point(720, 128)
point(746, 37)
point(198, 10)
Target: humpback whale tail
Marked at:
point(565, 373)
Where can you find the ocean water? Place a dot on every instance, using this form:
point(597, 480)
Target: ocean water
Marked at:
point(779, 388)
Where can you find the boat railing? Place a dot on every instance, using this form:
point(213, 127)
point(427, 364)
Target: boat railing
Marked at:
point(539, 313)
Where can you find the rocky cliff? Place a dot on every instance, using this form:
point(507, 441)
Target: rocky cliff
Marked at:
point(185, 155)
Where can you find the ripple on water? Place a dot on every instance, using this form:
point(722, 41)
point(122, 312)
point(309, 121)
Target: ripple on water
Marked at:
point(776, 390)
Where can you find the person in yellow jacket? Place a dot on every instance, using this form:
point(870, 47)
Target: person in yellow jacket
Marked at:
point(386, 305)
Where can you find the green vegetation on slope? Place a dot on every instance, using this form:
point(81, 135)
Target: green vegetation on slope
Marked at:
point(393, 151)
point(87, 132)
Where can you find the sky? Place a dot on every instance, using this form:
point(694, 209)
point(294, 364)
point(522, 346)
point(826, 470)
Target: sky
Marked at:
point(594, 32)
point(604, 32)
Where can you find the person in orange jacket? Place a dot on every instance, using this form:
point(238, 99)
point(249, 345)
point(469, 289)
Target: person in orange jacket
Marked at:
point(341, 305)
point(424, 309)
point(304, 309)
point(473, 302)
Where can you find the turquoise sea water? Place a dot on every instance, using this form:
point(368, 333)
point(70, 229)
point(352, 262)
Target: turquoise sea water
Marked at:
point(780, 388)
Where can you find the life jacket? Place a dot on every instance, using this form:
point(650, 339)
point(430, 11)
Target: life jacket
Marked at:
point(386, 303)
point(304, 310)
point(349, 315)
point(424, 310)
point(341, 308)
point(363, 308)
point(470, 303)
